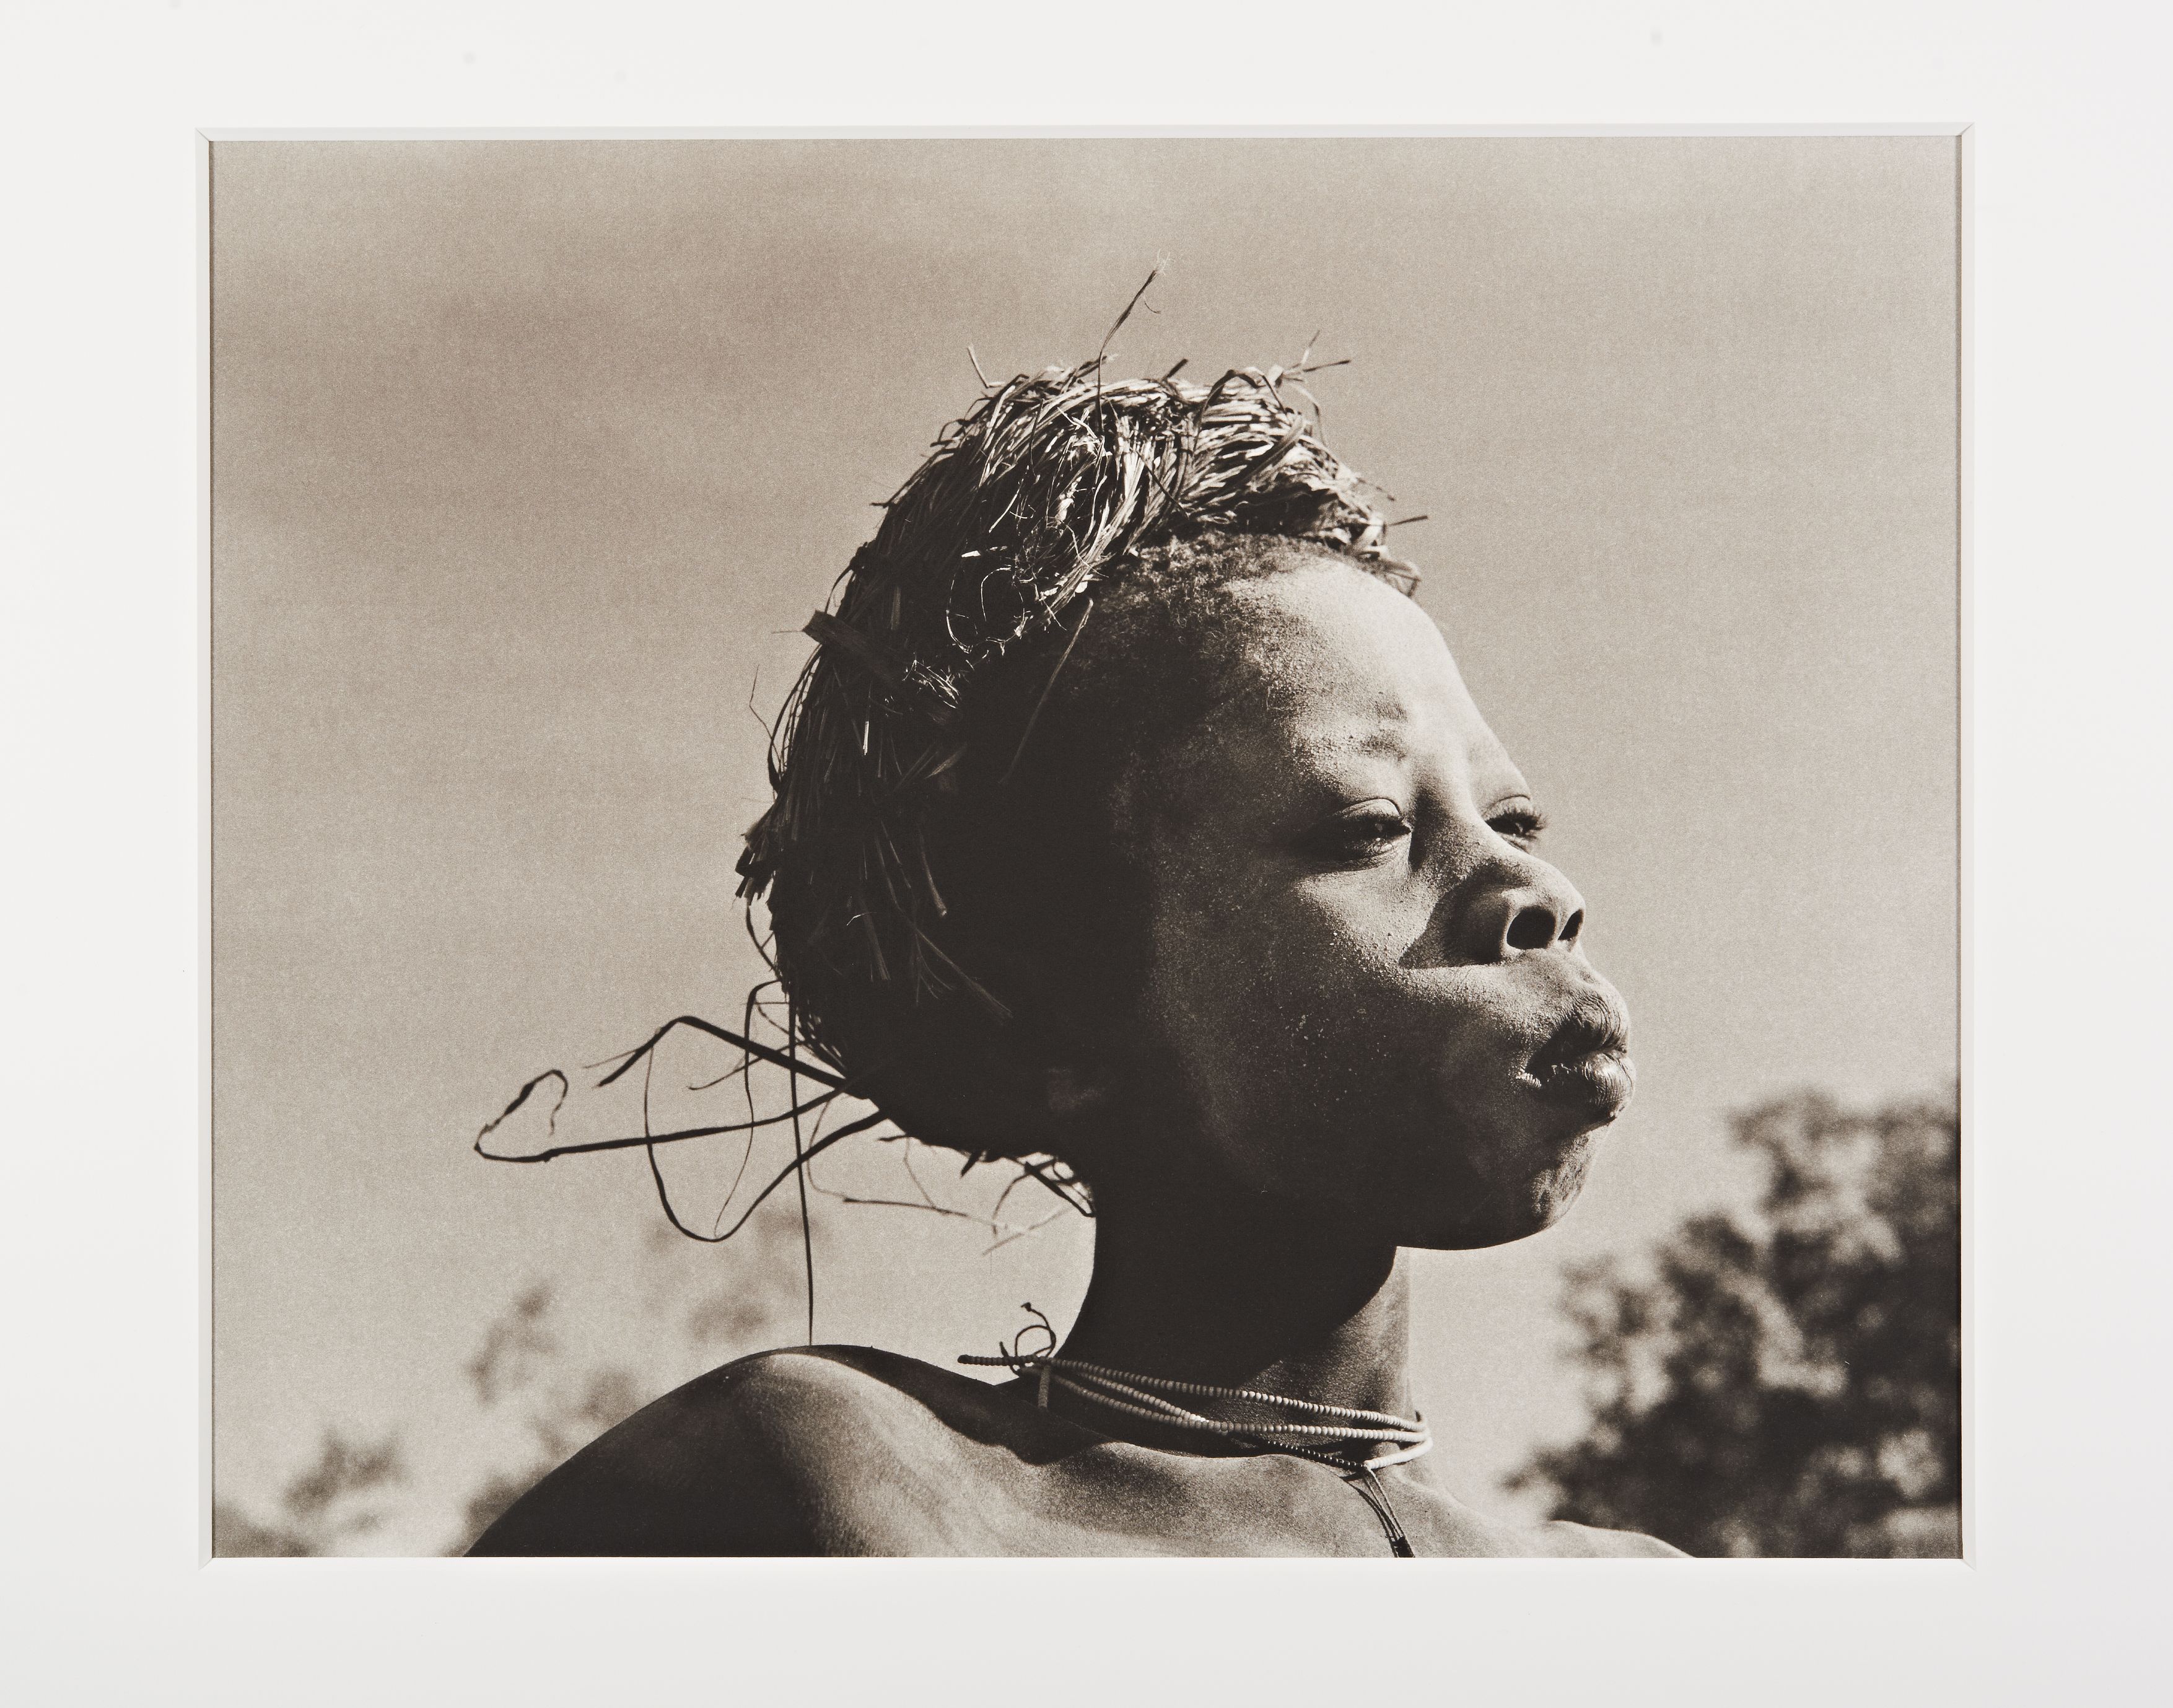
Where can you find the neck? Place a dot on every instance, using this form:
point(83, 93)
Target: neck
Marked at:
point(1216, 1284)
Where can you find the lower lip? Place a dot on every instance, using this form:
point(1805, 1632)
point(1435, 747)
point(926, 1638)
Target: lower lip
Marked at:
point(1601, 1082)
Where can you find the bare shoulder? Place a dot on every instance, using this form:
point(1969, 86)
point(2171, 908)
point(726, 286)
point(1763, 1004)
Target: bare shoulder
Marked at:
point(757, 1456)
point(1561, 1538)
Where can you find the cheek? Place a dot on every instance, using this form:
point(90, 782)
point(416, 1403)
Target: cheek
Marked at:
point(1314, 1063)
point(1301, 1043)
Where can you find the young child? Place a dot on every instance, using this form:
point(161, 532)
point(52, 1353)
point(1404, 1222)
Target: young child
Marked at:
point(1132, 820)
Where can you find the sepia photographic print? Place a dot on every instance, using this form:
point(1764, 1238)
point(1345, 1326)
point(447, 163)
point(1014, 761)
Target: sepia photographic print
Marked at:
point(1087, 846)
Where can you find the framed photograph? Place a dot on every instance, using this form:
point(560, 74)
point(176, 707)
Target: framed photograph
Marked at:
point(433, 478)
point(1157, 727)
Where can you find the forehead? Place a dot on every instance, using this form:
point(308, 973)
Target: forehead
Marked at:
point(1324, 656)
point(1327, 683)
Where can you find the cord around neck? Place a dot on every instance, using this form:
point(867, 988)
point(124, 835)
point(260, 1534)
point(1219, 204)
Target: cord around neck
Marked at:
point(1310, 1426)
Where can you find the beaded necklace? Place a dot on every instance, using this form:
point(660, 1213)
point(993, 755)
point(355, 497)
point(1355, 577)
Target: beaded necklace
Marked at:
point(1311, 1421)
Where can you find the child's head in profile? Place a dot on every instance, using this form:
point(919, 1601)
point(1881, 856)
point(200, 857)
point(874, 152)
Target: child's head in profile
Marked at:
point(1132, 822)
point(1131, 812)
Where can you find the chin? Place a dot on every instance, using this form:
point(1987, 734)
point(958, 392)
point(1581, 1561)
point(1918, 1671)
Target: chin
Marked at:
point(1480, 1212)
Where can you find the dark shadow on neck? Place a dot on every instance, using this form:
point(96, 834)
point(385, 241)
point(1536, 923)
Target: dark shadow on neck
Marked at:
point(1200, 1280)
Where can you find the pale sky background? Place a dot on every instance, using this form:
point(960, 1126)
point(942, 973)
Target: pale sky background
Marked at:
point(528, 457)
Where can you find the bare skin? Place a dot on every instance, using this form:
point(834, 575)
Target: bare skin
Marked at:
point(849, 1451)
point(1369, 1025)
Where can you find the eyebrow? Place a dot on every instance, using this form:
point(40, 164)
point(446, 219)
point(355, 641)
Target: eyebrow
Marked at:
point(1388, 734)
point(1388, 737)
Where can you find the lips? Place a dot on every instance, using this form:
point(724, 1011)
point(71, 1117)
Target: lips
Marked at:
point(1585, 1062)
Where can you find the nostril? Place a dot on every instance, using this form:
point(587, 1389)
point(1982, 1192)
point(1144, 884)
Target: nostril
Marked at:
point(1575, 925)
point(1532, 928)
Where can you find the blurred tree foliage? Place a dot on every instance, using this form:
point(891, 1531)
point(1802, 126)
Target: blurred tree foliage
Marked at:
point(1786, 1381)
point(318, 1510)
point(523, 1370)
point(520, 1357)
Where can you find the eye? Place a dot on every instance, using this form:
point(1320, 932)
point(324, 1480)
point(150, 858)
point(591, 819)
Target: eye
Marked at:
point(1517, 822)
point(1358, 834)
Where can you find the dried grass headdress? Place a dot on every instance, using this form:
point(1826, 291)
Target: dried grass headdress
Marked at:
point(1038, 498)
point(1023, 507)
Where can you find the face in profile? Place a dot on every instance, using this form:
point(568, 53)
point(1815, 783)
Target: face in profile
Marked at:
point(1365, 990)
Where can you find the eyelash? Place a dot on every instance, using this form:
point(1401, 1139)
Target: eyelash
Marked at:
point(1520, 825)
point(1340, 839)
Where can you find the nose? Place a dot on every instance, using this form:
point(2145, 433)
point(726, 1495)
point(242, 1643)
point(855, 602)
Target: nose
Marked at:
point(1519, 912)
